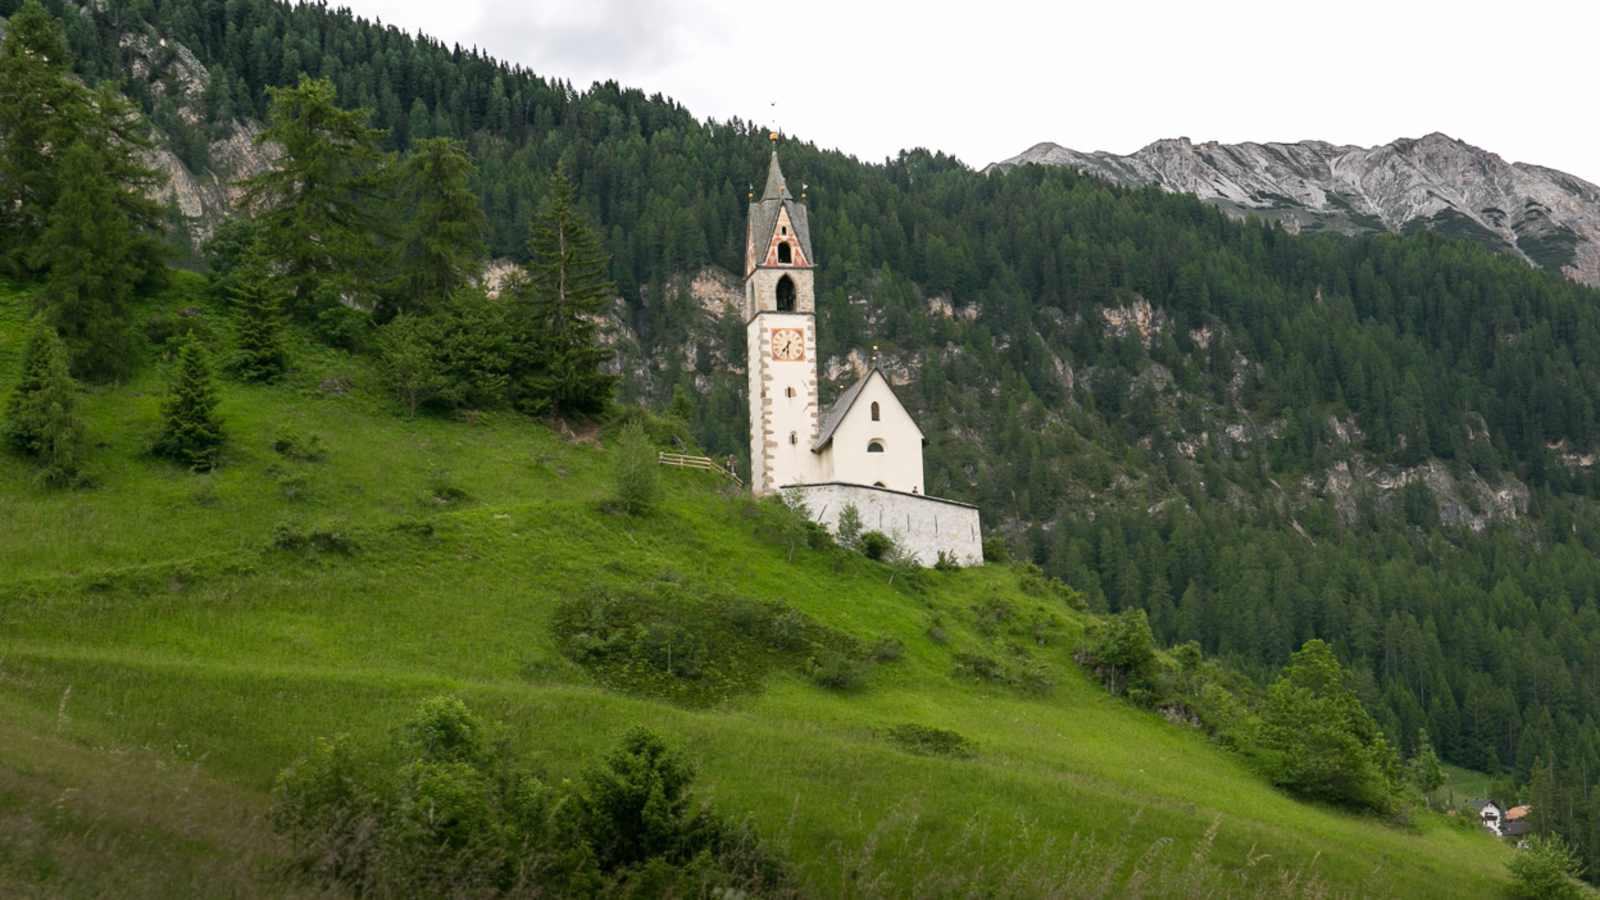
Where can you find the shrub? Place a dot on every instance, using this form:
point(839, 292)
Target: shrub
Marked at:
point(946, 562)
point(190, 430)
point(636, 476)
point(340, 326)
point(930, 741)
point(322, 539)
point(995, 550)
point(848, 528)
point(1122, 652)
point(876, 545)
point(1546, 869)
point(837, 671)
point(291, 444)
point(1317, 740)
point(887, 650)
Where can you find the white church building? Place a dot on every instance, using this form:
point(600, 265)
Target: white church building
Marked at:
point(865, 450)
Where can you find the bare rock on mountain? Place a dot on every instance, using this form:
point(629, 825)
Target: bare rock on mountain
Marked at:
point(1547, 217)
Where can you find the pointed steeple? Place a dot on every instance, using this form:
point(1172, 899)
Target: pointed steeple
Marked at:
point(777, 188)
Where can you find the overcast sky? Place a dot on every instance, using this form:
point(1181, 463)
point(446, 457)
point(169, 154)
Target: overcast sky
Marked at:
point(986, 80)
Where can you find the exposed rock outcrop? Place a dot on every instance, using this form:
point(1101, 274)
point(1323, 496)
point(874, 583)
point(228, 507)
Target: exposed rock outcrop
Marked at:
point(1547, 217)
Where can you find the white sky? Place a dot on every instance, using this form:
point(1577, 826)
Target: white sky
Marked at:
point(984, 81)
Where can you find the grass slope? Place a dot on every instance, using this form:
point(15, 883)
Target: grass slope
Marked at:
point(161, 660)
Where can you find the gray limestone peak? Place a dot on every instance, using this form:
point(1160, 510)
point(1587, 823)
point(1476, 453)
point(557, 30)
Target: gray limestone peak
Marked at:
point(1548, 218)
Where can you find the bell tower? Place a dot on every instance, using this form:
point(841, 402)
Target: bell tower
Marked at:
point(780, 335)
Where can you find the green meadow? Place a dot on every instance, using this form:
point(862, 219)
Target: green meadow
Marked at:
point(170, 641)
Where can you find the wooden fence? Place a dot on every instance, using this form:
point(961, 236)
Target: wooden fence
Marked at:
point(684, 461)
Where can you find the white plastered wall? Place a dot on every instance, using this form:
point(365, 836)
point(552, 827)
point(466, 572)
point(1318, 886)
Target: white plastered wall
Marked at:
point(922, 526)
point(899, 466)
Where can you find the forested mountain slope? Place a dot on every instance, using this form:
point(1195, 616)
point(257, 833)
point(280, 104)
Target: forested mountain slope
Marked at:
point(1386, 441)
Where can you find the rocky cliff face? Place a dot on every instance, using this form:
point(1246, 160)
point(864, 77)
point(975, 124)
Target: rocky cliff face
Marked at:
point(1547, 217)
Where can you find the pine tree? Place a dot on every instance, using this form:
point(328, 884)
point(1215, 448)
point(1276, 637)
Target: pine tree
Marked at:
point(441, 244)
point(317, 207)
point(559, 354)
point(191, 433)
point(41, 108)
point(40, 417)
point(88, 252)
point(259, 353)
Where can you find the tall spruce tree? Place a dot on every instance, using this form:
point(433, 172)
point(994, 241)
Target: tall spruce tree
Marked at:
point(258, 353)
point(45, 109)
point(41, 107)
point(41, 420)
point(191, 433)
point(88, 252)
point(319, 207)
point(441, 244)
point(557, 364)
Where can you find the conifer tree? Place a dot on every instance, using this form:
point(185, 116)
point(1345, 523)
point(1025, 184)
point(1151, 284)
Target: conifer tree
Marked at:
point(191, 433)
point(317, 207)
point(40, 107)
point(88, 251)
point(259, 353)
point(41, 420)
point(441, 243)
point(558, 356)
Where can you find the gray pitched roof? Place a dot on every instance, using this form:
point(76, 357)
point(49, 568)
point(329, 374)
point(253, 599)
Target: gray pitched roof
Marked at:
point(841, 407)
point(763, 214)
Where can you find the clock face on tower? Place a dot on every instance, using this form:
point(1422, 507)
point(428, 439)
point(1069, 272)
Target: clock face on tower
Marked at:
point(788, 344)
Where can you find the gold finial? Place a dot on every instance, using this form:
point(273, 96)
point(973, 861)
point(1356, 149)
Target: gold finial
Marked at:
point(773, 137)
point(750, 192)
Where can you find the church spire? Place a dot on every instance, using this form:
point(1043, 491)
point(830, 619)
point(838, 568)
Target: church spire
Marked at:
point(777, 188)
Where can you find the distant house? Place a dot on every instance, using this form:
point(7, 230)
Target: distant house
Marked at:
point(1518, 822)
point(1490, 814)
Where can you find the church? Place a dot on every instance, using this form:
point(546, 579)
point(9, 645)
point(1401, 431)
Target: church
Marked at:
point(863, 451)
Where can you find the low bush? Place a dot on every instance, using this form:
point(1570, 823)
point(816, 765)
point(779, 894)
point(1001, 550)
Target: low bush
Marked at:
point(322, 539)
point(876, 545)
point(697, 650)
point(291, 444)
point(887, 650)
point(449, 811)
point(837, 671)
point(928, 741)
point(1546, 869)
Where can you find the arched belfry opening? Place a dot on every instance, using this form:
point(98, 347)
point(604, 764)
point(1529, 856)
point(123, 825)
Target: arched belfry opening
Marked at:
point(785, 257)
point(785, 294)
point(875, 411)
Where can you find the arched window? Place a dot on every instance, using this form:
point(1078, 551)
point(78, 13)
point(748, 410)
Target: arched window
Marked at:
point(874, 410)
point(783, 253)
point(874, 446)
point(785, 294)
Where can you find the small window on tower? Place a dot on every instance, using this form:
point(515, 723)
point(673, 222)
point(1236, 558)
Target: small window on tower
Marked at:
point(788, 392)
point(783, 230)
point(785, 294)
point(874, 446)
point(874, 410)
point(783, 253)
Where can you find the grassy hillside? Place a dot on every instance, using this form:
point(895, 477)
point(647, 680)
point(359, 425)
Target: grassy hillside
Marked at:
point(167, 645)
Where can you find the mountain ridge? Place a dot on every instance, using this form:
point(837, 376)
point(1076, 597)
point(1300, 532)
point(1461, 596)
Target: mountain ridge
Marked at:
point(1545, 216)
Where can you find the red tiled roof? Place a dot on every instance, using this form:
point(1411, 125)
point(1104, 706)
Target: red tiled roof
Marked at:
point(1518, 812)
